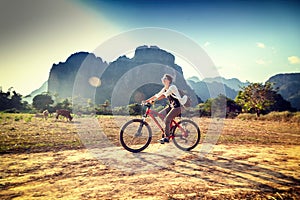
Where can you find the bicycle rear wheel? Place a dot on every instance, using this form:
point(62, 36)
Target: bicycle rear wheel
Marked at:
point(135, 135)
point(186, 135)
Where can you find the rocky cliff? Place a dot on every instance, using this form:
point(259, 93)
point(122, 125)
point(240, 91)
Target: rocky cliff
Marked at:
point(62, 75)
point(148, 63)
point(288, 85)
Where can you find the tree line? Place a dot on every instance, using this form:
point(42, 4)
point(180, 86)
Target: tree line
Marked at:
point(255, 98)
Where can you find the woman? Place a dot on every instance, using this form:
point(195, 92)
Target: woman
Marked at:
point(170, 92)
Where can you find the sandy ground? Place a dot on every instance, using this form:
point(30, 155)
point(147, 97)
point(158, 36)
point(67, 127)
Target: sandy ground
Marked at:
point(230, 171)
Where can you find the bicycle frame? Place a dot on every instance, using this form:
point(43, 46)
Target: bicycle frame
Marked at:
point(182, 140)
point(152, 113)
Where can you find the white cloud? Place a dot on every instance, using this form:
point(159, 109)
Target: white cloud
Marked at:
point(206, 44)
point(263, 62)
point(260, 45)
point(260, 62)
point(294, 60)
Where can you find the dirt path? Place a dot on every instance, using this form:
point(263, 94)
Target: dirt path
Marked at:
point(232, 171)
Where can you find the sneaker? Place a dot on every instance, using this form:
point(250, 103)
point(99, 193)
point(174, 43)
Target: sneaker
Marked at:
point(163, 140)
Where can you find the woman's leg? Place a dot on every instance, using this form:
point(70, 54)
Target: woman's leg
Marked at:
point(174, 112)
point(164, 112)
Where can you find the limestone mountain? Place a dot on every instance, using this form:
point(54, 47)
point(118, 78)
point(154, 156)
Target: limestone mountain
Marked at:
point(148, 63)
point(288, 85)
point(95, 79)
point(62, 75)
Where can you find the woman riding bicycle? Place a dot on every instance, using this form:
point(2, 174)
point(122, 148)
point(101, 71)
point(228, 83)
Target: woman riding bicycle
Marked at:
point(170, 92)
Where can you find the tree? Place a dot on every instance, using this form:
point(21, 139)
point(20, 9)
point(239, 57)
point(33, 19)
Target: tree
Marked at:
point(205, 108)
point(106, 104)
point(219, 106)
point(42, 101)
point(134, 109)
point(16, 101)
point(65, 104)
point(280, 104)
point(11, 100)
point(4, 100)
point(256, 97)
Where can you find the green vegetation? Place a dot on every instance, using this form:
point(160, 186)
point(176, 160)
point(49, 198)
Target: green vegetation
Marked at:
point(261, 98)
point(219, 105)
point(255, 98)
point(42, 102)
point(11, 101)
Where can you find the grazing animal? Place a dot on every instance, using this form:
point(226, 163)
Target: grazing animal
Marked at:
point(45, 114)
point(39, 115)
point(64, 113)
point(79, 114)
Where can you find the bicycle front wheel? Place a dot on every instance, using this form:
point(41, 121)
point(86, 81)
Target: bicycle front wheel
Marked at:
point(135, 135)
point(186, 135)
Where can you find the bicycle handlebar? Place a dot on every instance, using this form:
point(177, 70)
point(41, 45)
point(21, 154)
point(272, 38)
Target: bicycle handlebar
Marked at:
point(147, 104)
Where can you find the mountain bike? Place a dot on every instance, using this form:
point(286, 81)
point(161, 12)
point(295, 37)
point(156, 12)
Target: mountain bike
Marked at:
point(136, 134)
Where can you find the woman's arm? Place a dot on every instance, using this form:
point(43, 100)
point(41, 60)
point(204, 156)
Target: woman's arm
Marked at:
point(154, 98)
point(157, 96)
point(172, 90)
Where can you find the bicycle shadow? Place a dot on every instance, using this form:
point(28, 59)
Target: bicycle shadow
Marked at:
point(221, 172)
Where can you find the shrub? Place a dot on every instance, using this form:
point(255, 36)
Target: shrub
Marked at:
point(296, 117)
point(12, 110)
point(247, 116)
point(285, 116)
point(278, 116)
point(28, 119)
point(135, 109)
point(122, 110)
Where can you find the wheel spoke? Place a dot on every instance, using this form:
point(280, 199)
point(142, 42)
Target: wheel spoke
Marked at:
point(135, 135)
point(187, 135)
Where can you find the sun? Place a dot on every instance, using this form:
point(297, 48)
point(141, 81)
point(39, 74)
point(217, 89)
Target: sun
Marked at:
point(94, 81)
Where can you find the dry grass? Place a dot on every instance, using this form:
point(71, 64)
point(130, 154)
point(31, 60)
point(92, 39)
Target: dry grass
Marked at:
point(235, 131)
point(26, 133)
point(286, 116)
point(46, 160)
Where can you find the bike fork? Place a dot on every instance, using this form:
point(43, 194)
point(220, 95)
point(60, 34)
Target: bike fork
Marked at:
point(139, 132)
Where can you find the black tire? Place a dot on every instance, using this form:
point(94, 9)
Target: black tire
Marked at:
point(129, 133)
point(189, 142)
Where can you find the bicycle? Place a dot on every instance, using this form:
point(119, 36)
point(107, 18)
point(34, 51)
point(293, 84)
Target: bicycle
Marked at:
point(136, 134)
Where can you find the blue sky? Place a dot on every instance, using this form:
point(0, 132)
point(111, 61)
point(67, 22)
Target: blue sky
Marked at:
point(249, 40)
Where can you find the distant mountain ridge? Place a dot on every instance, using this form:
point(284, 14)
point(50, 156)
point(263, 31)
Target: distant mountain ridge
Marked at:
point(231, 86)
point(288, 85)
point(40, 90)
point(232, 83)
